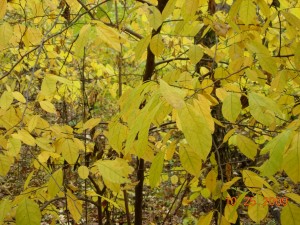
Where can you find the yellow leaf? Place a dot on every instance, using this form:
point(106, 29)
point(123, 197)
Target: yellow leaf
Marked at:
point(18, 96)
point(6, 33)
point(246, 146)
point(75, 206)
point(115, 171)
point(221, 93)
point(190, 160)
point(25, 137)
point(5, 162)
point(117, 134)
point(257, 212)
point(174, 96)
point(211, 180)
point(290, 214)
point(32, 123)
point(6, 100)
point(189, 9)
point(230, 213)
point(55, 183)
point(69, 150)
point(91, 123)
point(3, 6)
point(294, 197)
point(228, 135)
point(263, 56)
point(174, 179)
point(157, 45)
point(141, 47)
point(48, 86)
point(231, 107)
point(5, 209)
point(13, 147)
point(206, 220)
point(195, 130)
point(195, 53)
point(156, 169)
point(263, 108)
point(109, 35)
point(254, 182)
point(48, 106)
point(28, 179)
point(247, 11)
point(170, 149)
point(291, 159)
point(228, 184)
point(28, 213)
point(168, 9)
point(83, 172)
point(155, 17)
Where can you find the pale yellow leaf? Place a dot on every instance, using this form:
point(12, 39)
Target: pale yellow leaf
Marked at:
point(195, 130)
point(246, 146)
point(18, 96)
point(168, 9)
point(83, 172)
point(290, 214)
point(48, 86)
point(257, 212)
point(190, 160)
point(141, 47)
point(155, 17)
point(28, 213)
point(48, 106)
point(189, 8)
point(25, 137)
point(74, 205)
point(6, 100)
point(156, 169)
point(195, 53)
point(174, 96)
point(291, 159)
point(13, 147)
point(231, 106)
point(157, 45)
point(211, 180)
point(69, 150)
point(5, 162)
point(206, 219)
point(247, 11)
point(55, 183)
point(91, 123)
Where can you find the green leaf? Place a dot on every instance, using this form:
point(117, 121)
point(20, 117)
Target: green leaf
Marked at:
point(196, 130)
point(291, 159)
point(28, 213)
point(231, 107)
point(190, 160)
point(156, 169)
point(174, 96)
point(290, 214)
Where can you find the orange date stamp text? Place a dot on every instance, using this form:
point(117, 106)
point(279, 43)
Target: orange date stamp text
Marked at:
point(251, 201)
